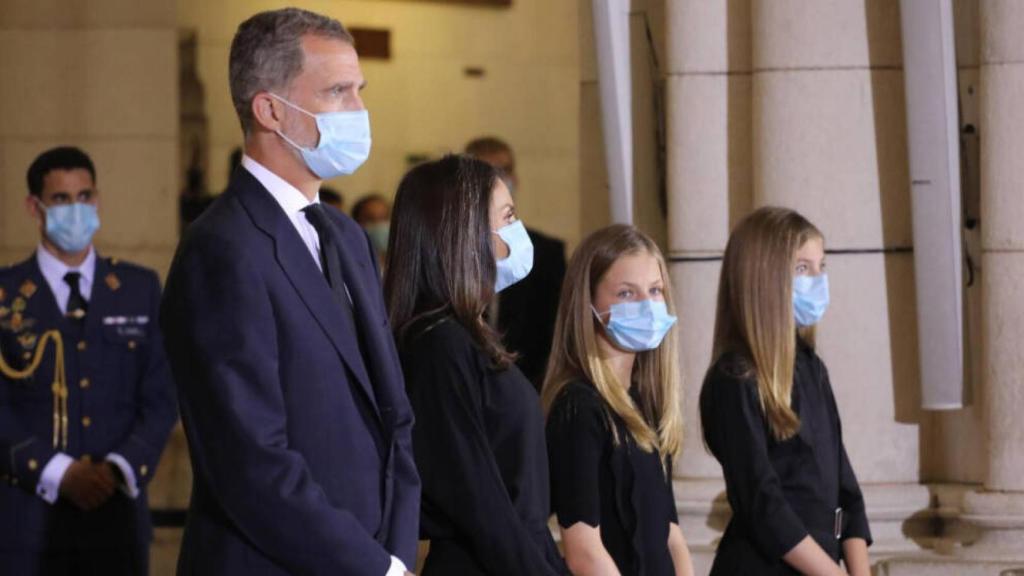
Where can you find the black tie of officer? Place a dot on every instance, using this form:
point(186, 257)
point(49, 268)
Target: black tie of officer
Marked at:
point(331, 263)
point(77, 306)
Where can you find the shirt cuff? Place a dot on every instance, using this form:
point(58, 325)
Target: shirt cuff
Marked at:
point(397, 568)
point(130, 487)
point(48, 487)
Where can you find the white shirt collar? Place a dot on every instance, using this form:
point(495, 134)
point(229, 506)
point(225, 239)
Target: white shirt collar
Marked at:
point(291, 200)
point(54, 270)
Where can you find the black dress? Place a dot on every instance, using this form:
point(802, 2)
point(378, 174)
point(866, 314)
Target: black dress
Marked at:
point(479, 447)
point(780, 491)
point(615, 486)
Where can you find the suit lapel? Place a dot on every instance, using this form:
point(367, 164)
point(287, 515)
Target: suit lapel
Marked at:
point(294, 258)
point(363, 286)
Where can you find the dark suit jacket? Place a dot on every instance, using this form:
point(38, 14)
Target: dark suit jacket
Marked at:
point(527, 309)
point(120, 399)
point(300, 445)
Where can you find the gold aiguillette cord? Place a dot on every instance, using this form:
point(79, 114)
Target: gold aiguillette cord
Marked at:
point(59, 387)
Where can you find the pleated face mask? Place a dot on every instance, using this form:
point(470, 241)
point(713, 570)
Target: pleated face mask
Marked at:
point(520, 255)
point(810, 298)
point(344, 141)
point(637, 326)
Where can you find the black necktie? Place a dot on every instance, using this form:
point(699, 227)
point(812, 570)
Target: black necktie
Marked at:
point(331, 262)
point(77, 306)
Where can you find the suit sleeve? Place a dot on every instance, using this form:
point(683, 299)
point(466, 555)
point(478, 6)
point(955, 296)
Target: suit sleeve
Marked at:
point(219, 325)
point(405, 517)
point(735, 430)
point(155, 410)
point(850, 497)
point(460, 474)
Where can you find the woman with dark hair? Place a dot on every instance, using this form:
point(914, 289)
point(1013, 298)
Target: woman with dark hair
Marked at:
point(479, 434)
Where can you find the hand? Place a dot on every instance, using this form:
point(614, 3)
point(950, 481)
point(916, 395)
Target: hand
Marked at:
point(88, 485)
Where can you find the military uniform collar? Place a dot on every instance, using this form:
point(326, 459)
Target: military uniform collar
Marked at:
point(53, 271)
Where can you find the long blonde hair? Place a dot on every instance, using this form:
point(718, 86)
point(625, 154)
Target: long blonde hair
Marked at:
point(656, 424)
point(755, 308)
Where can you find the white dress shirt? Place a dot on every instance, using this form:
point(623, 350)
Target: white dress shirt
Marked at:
point(53, 271)
point(292, 201)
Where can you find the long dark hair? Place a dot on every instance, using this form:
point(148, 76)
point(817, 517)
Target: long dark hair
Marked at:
point(440, 260)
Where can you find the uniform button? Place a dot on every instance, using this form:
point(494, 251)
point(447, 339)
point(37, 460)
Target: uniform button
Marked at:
point(81, 346)
point(86, 421)
point(33, 464)
point(143, 470)
point(131, 344)
point(84, 382)
point(27, 356)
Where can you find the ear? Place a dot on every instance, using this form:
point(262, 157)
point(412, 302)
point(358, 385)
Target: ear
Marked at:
point(266, 111)
point(32, 208)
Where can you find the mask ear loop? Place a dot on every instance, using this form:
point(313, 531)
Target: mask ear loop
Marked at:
point(280, 132)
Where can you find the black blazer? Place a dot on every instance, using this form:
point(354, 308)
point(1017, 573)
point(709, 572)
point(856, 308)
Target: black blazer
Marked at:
point(780, 491)
point(300, 445)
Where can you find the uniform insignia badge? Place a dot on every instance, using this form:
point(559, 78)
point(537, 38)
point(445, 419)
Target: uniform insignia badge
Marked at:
point(4, 311)
point(113, 282)
point(28, 340)
point(18, 305)
point(3, 294)
point(16, 321)
point(28, 288)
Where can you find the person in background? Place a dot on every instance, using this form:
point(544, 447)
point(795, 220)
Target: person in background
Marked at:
point(332, 198)
point(373, 213)
point(768, 412)
point(291, 392)
point(614, 420)
point(525, 313)
point(479, 434)
point(76, 454)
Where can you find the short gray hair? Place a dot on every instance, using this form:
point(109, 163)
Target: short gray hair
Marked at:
point(266, 53)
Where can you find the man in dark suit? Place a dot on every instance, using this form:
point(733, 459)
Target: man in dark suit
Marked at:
point(77, 452)
point(526, 311)
point(290, 387)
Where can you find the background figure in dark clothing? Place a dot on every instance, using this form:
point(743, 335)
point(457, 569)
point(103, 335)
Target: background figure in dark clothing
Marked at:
point(526, 311)
point(479, 434)
point(373, 213)
point(332, 197)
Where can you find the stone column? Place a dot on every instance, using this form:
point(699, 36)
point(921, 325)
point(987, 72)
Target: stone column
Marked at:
point(708, 107)
point(829, 140)
point(999, 509)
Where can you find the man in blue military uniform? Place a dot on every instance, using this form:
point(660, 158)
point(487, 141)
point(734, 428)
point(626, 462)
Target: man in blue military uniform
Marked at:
point(77, 452)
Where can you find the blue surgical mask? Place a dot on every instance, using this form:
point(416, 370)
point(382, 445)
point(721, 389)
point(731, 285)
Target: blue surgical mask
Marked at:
point(638, 326)
point(71, 226)
point(379, 234)
point(344, 141)
point(520, 255)
point(810, 298)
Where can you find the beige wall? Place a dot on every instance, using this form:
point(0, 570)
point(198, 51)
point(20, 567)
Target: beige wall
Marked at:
point(420, 101)
point(103, 76)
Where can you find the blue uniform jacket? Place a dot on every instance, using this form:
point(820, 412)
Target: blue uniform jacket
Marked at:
point(300, 445)
point(120, 398)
